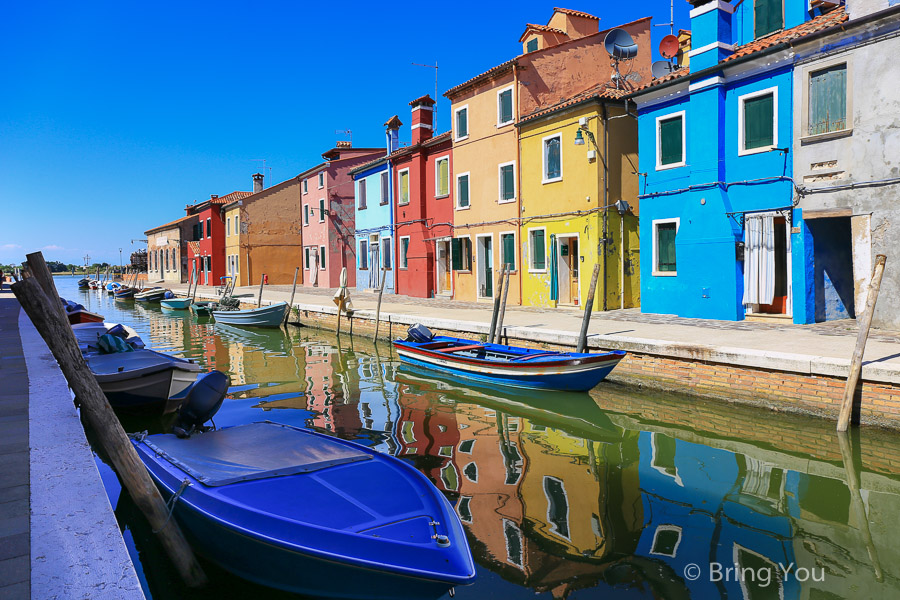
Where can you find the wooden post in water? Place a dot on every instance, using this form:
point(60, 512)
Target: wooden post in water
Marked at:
point(496, 311)
point(100, 416)
point(378, 305)
point(856, 360)
point(588, 307)
point(856, 502)
point(262, 280)
point(293, 291)
point(499, 332)
point(41, 273)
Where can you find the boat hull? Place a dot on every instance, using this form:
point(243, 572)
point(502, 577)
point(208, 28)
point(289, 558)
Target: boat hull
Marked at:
point(571, 373)
point(267, 316)
point(84, 316)
point(143, 387)
point(176, 304)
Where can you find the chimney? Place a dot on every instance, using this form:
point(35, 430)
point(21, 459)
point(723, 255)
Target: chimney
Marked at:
point(422, 119)
point(710, 33)
point(257, 183)
point(213, 196)
point(392, 130)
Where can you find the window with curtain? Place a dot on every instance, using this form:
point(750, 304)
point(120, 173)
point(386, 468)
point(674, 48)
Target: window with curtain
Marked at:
point(462, 123)
point(361, 194)
point(759, 122)
point(828, 100)
point(462, 191)
point(404, 253)
point(552, 158)
point(671, 141)
point(768, 16)
point(404, 187)
point(442, 177)
point(384, 188)
point(508, 250)
point(363, 254)
point(507, 183)
point(538, 249)
point(504, 107)
point(665, 247)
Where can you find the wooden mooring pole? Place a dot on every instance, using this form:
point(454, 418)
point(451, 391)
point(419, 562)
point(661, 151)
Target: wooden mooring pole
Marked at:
point(57, 334)
point(856, 501)
point(588, 307)
point(498, 332)
point(496, 311)
point(262, 280)
point(287, 313)
point(856, 361)
point(378, 304)
point(41, 273)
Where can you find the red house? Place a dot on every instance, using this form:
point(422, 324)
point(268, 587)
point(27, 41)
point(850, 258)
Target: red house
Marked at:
point(206, 248)
point(423, 208)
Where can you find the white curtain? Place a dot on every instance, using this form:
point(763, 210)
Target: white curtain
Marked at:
point(314, 276)
point(759, 259)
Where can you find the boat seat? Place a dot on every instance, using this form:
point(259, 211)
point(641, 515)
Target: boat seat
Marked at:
point(460, 348)
point(530, 356)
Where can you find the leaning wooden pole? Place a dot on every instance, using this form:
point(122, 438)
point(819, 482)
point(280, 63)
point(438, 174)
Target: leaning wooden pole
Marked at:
point(496, 311)
point(41, 273)
point(856, 501)
point(498, 332)
point(287, 313)
point(378, 305)
point(262, 281)
point(106, 425)
point(856, 360)
point(588, 307)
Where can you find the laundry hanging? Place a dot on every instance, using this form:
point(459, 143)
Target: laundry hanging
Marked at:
point(759, 260)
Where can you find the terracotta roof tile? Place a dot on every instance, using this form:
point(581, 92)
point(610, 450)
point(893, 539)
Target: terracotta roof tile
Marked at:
point(426, 100)
point(502, 67)
point(230, 197)
point(575, 13)
point(170, 224)
point(546, 28)
point(830, 19)
point(437, 139)
point(601, 90)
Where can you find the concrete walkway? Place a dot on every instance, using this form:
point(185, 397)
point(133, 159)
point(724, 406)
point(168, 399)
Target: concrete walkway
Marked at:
point(821, 349)
point(58, 535)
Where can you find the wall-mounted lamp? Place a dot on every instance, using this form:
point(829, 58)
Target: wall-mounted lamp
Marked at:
point(579, 138)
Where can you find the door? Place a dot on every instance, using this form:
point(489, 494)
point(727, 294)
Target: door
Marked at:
point(443, 267)
point(374, 262)
point(778, 305)
point(574, 262)
point(563, 274)
point(485, 267)
point(767, 264)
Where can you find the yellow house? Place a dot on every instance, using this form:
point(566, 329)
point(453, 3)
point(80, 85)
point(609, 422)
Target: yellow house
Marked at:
point(233, 242)
point(579, 187)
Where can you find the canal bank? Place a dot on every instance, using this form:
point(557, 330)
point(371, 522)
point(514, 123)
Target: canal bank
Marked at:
point(781, 366)
point(59, 537)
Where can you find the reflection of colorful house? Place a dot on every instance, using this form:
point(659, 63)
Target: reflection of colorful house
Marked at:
point(430, 433)
point(207, 254)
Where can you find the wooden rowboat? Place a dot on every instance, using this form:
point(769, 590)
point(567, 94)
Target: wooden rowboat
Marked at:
point(266, 316)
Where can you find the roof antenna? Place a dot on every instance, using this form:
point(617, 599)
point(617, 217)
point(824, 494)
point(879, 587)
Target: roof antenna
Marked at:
point(264, 167)
point(346, 132)
point(434, 108)
point(671, 22)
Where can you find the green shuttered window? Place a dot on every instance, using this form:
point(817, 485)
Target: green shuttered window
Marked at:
point(507, 183)
point(505, 108)
point(768, 16)
point(461, 254)
point(532, 45)
point(538, 249)
point(462, 123)
point(508, 250)
point(443, 177)
point(759, 122)
point(462, 191)
point(828, 100)
point(671, 141)
point(665, 247)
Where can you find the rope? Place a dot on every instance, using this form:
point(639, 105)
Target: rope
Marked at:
point(171, 503)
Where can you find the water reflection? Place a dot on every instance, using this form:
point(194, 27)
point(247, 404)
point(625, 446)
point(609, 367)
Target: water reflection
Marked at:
point(619, 493)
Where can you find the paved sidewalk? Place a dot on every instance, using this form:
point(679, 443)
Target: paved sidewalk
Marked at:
point(822, 348)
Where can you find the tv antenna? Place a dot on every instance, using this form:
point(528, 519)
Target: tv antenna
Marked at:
point(264, 168)
point(620, 46)
point(671, 22)
point(346, 132)
point(435, 67)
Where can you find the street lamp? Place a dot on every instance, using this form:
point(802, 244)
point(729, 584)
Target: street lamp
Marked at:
point(120, 261)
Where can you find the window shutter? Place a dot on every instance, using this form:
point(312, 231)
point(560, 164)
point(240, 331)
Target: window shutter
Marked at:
point(665, 246)
point(404, 187)
point(462, 123)
point(506, 106)
point(463, 191)
point(509, 250)
point(443, 177)
point(759, 115)
point(467, 260)
point(362, 193)
point(670, 141)
point(532, 45)
point(540, 252)
point(768, 17)
point(384, 188)
point(828, 100)
point(508, 183)
point(456, 253)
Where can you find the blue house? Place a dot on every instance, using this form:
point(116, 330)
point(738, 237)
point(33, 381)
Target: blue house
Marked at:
point(722, 238)
point(374, 192)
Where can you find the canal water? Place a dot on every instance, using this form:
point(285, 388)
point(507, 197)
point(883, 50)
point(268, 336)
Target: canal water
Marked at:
point(620, 493)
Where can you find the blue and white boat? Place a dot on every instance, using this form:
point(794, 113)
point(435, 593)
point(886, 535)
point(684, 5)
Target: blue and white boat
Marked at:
point(507, 365)
point(308, 513)
point(143, 379)
point(266, 316)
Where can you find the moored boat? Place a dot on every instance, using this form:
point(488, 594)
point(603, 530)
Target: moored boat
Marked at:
point(143, 378)
point(203, 309)
point(88, 335)
point(125, 293)
point(176, 303)
point(308, 513)
point(266, 316)
point(84, 283)
point(83, 316)
point(151, 295)
point(507, 365)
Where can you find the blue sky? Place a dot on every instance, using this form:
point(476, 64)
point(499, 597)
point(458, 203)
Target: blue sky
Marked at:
point(115, 115)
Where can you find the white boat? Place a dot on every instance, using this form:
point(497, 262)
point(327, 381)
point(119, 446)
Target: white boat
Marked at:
point(88, 335)
point(143, 378)
point(266, 316)
point(152, 295)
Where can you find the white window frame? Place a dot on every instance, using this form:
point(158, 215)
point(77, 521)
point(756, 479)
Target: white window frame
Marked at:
point(544, 178)
point(510, 88)
point(400, 187)
point(360, 253)
point(322, 257)
point(321, 179)
point(382, 253)
point(500, 199)
point(741, 101)
point(655, 256)
point(306, 258)
point(437, 176)
point(666, 117)
point(456, 180)
point(472, 256)
point(228, 225)
point(531, 269)
point(237, 224)
point(237, 262)
point(456, 111)
point(806, 73)
point(306, 215)
point(321, 210)
point(362, 190)
point(403, 259)
point(477, 261)
point(306, 186)
point(656, 535)
point(384, 191)
point(515, 247)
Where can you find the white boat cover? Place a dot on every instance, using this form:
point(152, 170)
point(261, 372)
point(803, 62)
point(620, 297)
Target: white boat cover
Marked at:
point(125, 365)
point(252, 451)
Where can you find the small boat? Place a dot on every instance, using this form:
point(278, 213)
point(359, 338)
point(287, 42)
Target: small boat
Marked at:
point(143, 378)
point(506, 365)
point(176, 303)
point(152, 295)
point(88, 335)
point(203, 309)
point(308, 513)
point(84, 283)
point(125, 293)
point(266, 316)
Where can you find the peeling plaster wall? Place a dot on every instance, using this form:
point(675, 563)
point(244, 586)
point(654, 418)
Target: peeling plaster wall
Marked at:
point(869, 150)
point(270, 235)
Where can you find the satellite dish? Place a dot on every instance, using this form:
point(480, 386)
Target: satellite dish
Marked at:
point(661, 68)
point(620, 44)
point(668, 46)
point(633, 77)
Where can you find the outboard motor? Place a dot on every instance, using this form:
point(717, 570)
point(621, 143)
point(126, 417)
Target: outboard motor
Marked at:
point(419, 333)
point(202, 401)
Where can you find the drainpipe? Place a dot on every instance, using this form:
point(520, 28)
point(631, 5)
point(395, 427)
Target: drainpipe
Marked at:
point(605, 197)
point(519, 266)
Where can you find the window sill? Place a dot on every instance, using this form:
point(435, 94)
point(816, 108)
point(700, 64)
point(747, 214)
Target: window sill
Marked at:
point(759, 150)
point(361, 208)
point(463, 207)
point(672, 166)
point(403, 203)
point(823, 137)
point(554, 180)
point(510, 201)
point(537, 270)
point(382, 204)
point(506, 124)
point(460, 139)
point(463, 271)
point(665, 273)
point(439, 196)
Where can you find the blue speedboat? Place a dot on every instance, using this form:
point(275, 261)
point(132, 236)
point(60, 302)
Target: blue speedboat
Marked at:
point(309, 513)
point(507, 365)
